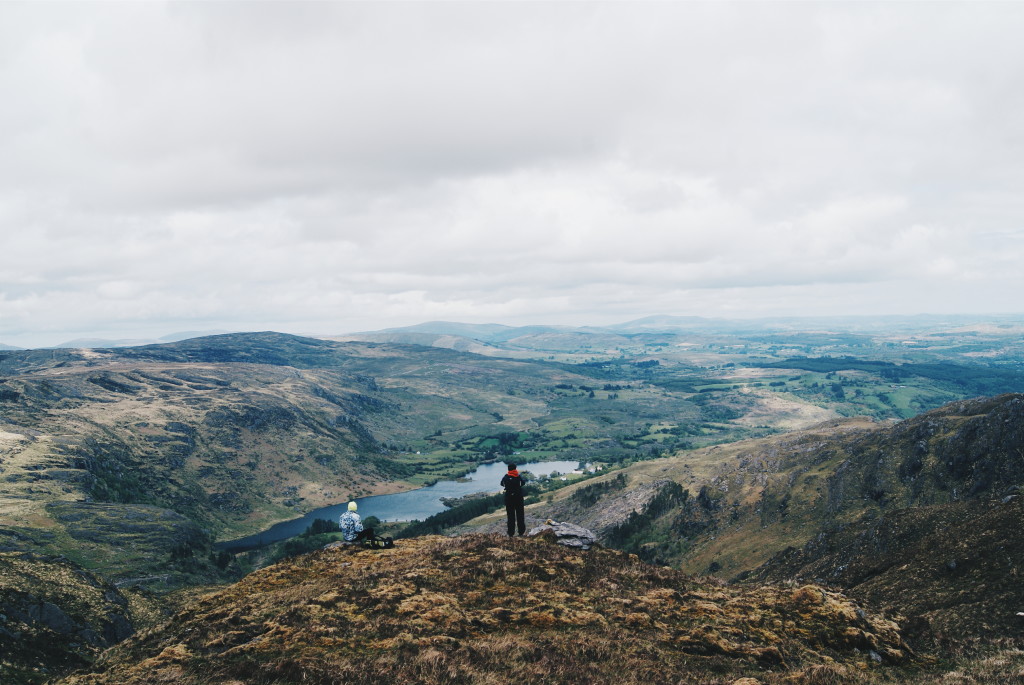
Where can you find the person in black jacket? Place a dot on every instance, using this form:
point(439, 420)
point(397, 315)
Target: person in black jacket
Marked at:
point(513, 484)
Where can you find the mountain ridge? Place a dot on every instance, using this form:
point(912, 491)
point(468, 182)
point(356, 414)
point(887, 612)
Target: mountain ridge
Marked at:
point(652, 324)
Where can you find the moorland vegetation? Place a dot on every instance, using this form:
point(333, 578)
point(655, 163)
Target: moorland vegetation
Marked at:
point(725, 454)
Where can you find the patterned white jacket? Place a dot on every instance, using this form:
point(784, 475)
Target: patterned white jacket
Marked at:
point(350, 525)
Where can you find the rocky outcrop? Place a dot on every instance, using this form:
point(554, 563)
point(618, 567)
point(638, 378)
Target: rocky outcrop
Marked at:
point(568, 534)
point(609, 507)
point(55, 616)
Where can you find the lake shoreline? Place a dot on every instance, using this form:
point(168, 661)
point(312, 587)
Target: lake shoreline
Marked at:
point(409, 505)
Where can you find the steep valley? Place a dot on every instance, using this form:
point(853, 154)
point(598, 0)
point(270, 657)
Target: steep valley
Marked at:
point(120, 468)
point(234, 432)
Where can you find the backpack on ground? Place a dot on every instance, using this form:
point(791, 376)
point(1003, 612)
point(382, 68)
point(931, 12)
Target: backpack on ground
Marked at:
point(378, 543)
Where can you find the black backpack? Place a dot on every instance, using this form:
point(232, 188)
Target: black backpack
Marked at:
point(513, 486)
point(378, 543)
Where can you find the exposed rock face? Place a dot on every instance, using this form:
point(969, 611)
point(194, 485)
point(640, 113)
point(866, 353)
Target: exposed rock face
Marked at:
point(54, 616)
point(612, 509)
point(568, 534)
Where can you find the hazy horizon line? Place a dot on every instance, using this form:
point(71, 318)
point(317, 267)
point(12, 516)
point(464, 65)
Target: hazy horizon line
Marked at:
point(96, 339)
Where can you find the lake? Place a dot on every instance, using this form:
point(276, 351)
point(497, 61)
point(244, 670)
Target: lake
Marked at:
point(401, 506)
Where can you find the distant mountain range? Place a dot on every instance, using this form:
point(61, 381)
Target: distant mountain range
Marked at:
point(832, 336)
point(499, 333)
point(96, 343)
point(492, 337)
point(86, 343)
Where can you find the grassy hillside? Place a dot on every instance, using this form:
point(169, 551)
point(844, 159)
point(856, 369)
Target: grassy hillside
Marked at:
point(877, 509)
point(484, 609)
point(951, 571)
point(130, 462)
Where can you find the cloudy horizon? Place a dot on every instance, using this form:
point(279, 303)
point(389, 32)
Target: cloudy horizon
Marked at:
point(324, 168)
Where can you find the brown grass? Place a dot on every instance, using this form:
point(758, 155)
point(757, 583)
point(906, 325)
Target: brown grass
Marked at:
point(485, 609)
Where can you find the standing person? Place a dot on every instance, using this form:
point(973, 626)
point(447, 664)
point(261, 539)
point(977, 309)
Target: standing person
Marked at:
point(352, 526)
point(513, 484)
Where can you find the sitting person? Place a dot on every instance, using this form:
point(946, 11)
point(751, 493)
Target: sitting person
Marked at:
point(352, 526)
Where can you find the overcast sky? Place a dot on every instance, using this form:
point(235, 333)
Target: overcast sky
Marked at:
point(332, 167)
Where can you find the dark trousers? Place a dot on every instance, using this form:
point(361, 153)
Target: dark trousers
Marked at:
point(516, 515)
point(364, 534)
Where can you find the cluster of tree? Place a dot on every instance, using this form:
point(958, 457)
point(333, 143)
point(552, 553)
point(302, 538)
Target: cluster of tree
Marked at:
point(320, 526)
point(196, 558)
point(685, 429)
point(590, 494)
point(501, 444)
point(717, 413)
point(687, 385)
point(974, 380)
point(832, 364)
point(221, 559)
point(183, 550)
point(638, 528)
point(436, 524)
point(301, 544)
point(115, 477)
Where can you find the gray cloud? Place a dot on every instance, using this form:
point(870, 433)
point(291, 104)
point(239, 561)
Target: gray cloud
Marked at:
point(325, 167)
